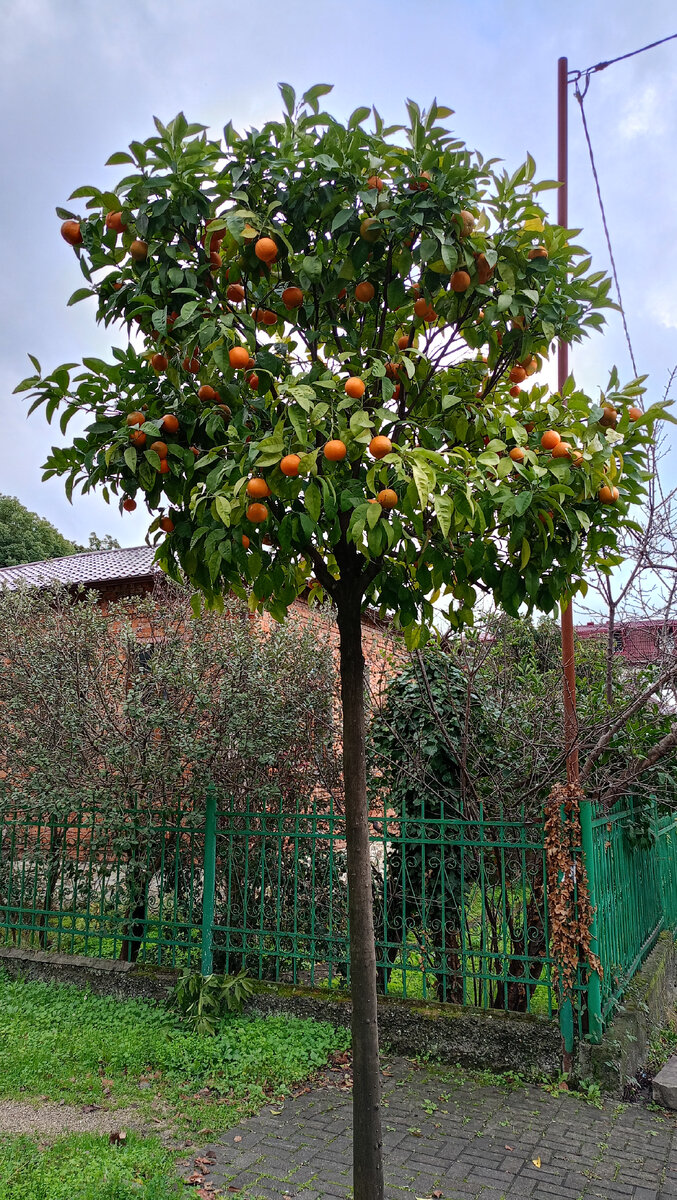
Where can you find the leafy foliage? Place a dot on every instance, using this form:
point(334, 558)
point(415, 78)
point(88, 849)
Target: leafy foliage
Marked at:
point(204, 999)
point(25, 537)
point(462, 271)
point(88, 1167)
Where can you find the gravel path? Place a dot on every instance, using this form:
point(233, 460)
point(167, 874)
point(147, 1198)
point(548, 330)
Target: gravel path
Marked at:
point(51, 1120)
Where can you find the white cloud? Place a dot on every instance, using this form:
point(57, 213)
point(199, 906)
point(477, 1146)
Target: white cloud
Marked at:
point(644, 113)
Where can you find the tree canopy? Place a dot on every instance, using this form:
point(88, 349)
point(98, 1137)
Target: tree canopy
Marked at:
point(25, 537)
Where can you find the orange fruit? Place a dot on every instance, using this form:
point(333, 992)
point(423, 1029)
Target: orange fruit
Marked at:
point(387, 499)
point(137, 438)
point(517, 454)
point(269, 317)
point(265, 250)
point(517, 375)
point(160, 449)
point(460, 281)
point(484, 271)
point(166, 524)
point(139, 251)
point(170, 423)
point(215, 260)
point(538, 252)
point(159, 362)
point(71, 233)
point(370, 229)
point(164, 466)
point(238, 356)
point(608, 495)
point(223, 408)
point(374, 183)
point(466, 221)
point(609, 417)
point(550, 439)
point(191, 364)
point(364, 292)
point(634, 413)
point(290, 465)
point(253, 381)
point(257, 488)
point(335, 450)
point(114, 222)
point(515, 391)
point(245, 541)
point(379, 446)
point(128, 504)
point(403, 342)
point(355, 387)
point(576, 458)
point(292, 297)
point(235, 293)
point(561, 450)
point(420, 306)
point(257, 513)
point(135, 418)
point(208, 394)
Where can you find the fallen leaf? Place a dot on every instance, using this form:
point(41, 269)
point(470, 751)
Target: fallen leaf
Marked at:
point(237, 1138)
point(117, 1137)
point(509, 1148)
point(436, 1195)
point(536, 1162)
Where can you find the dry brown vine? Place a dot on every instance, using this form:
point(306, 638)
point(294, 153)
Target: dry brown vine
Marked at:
point(570, 912)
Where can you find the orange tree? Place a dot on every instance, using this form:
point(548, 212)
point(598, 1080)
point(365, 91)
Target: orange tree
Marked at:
point(323, 394)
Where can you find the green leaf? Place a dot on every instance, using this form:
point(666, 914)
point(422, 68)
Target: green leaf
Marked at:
point(131, 458)
point(289, 97)
point(357, 117)
point(80, 294)
point(373, 515)
point(444, 510)
point(313, 501)
point(117, 159)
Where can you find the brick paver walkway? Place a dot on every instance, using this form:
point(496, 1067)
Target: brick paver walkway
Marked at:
point(450, 1136)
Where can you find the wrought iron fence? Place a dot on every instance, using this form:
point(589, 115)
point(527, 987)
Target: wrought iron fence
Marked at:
point(460, 899)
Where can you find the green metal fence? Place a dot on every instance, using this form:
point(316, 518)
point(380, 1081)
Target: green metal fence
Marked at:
point(460, 898)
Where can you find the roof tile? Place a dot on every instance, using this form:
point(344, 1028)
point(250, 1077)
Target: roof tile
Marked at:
point(90, 568)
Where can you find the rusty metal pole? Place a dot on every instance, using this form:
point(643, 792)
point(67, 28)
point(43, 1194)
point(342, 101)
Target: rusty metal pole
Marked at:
point(568, 658)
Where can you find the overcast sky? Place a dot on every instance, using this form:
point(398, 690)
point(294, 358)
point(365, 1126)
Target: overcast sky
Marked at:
point(79, 80)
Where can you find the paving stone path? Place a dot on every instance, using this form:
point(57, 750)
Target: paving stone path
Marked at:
point(452, 1137)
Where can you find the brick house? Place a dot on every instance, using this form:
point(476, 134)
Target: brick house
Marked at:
point(640, 642)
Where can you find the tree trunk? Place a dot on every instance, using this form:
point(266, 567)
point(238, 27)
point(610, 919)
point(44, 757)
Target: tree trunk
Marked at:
point(367, 1139)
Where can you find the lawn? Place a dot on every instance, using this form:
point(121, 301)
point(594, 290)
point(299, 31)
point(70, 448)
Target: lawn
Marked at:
point(65, 1044)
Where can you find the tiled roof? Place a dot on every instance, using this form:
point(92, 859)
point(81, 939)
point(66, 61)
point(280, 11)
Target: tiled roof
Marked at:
point(90, 568)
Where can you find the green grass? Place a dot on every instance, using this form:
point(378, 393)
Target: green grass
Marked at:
point(71, 1045)
point(87, 1167)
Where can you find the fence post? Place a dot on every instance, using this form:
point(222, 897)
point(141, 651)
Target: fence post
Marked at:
point(209, 881)
point(594, 997)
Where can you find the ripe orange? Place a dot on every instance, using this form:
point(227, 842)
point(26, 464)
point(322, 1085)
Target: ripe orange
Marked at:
point(139, 251)
point(403, 342)
point(335, 450)
point(292, 297)
point(515, 391)
point(420, 306)
point(223, 408)
point(164, 466)
point(634, 413)
point(160, 449)
point(128, 504)
point(561, 450)
point(166, 524)
point(517, 375)
point(266, 250)
point(137, 438)
point(256, 513)
point(215, 260)
point(191, 364)
point(460, 281)
point(290, 465)
point(159, 362)
point(609, 417)
point(245, 541)
point(235, 293)
point(370, 229)
point(608, 495)
point(538, 252)
point(466, 221)
point(379, 446)
point(484, 271)
point(238, 356)
point(135, 418)
point(364, 292)
point(257, 488)
point(576, 458)
point(269, 317)
point(517, 454)
point(114, 222)
point(208, 394)
point(355, 387)
point(374, 183)
point(170, 423)
point(251, 362)
point(71, 233)
point(253, 381)
point(387, 499)
point(550, 439)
